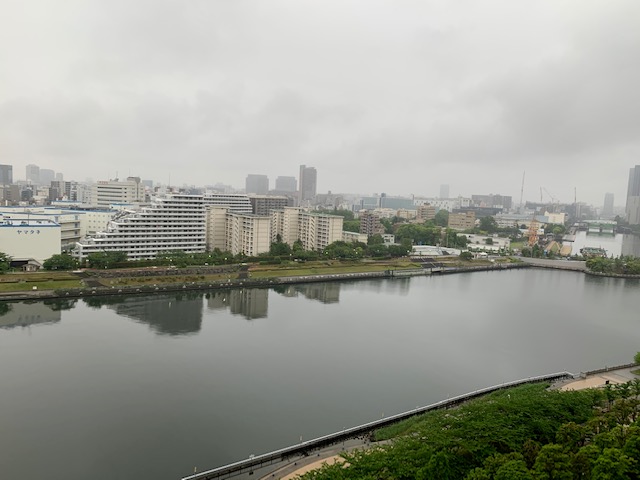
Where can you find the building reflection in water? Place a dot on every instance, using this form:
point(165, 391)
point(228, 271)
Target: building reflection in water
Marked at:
point(630, 246)
point(24, 314)
point(177, 314)
point(323, 292)
point(251, 303)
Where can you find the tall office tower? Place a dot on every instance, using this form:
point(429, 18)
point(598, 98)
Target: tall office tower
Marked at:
point(444, 191)
point(307, 182)
point(47, 176)
point(6, 174)
point(286, 184)
point(607, 210)
point(33, 174)
point(633, 196)
point(59, 177)
point(258, 184)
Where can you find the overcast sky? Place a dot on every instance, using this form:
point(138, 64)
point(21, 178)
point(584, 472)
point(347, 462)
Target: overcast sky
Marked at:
point(393, 96)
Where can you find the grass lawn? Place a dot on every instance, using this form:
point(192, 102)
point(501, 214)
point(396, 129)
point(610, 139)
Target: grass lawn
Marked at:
point(42, 285)
point(326, 268)
point(169, 279)
point(21, 282)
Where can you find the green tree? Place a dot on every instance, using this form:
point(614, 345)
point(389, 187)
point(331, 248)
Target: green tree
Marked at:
point(552, 464)
point(279, 249)
point(63, 261)
point(5, 262)
point(375, 239)
point(488, 224)
point(351, 226)
point(636, 357)
point(441, 218)
point(612, 464)
point(106, 259)
point(513, 470)
point(466, 256)
point(388, 225)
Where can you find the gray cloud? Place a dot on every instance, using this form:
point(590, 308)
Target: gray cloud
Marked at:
point(379, 96)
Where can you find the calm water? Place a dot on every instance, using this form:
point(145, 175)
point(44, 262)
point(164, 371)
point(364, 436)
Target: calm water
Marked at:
point(150, 387)
point(615, 245)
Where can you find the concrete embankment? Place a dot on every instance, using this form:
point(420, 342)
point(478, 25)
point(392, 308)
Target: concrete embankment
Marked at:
point(94, 287)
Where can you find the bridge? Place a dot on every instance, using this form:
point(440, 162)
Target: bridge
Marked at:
point(306, 447)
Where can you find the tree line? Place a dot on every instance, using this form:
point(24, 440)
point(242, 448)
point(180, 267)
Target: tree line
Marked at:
point(524, 433)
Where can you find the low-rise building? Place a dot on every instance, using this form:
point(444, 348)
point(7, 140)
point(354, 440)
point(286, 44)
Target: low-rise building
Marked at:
point(462, 221)
point(354, 237)
point(24, 238)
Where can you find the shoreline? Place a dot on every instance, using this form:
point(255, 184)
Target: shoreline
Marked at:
point(93, 291)
point(97, 291)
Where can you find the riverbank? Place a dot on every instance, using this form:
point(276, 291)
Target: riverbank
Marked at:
point(232, 277)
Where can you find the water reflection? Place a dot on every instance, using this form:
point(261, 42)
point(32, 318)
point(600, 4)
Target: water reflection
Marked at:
point(620, 244)
point(251, 303)
point(177, 314)
point(322, 292)
point(24, 314)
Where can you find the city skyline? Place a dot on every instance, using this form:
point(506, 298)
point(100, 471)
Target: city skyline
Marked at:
point(378, 96)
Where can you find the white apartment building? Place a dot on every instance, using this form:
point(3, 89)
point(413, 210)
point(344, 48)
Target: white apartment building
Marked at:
point(108, 192)
point(237, 232)
point(448, 204)
point(172, 222)
point(235, 202)
point(314, 230)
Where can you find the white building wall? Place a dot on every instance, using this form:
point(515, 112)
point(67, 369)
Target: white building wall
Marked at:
point(24, 239)
point(216, 228)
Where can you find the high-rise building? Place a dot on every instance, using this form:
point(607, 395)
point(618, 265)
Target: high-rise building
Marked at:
point(370, 224)
point(314, 230)
point(444, 191)
point(106, 193)
point(607, 209)
point(286, 184)
point(633, 196)
point(6, 174)
point(265, 204)
point(172, 222)
point(307, 183)
point(236, 202)
point(33, 174)
point(258, 184)
point(238, 232)
point(47, 176)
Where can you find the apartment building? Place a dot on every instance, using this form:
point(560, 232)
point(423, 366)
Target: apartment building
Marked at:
point(314, 230)
point(171, 222)
point(235, 202)
point(370, 224)
point(238, 232)
point(462, 221)
point(265, 204)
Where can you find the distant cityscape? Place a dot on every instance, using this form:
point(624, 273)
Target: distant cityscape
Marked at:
point(44, 214)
